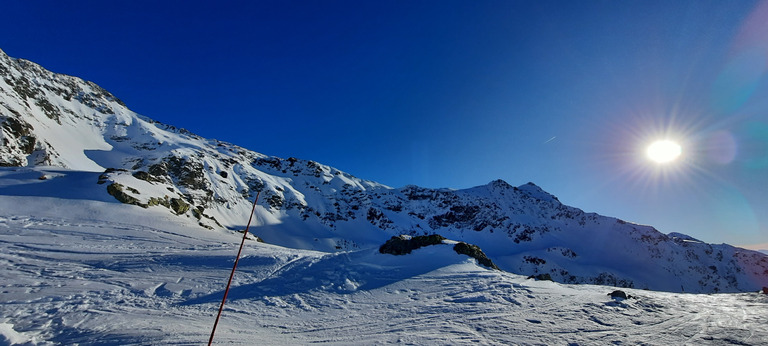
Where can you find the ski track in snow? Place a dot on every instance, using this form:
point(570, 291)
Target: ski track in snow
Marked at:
point(76, 281)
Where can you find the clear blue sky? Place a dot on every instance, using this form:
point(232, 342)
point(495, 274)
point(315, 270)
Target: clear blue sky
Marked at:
point(565, 94)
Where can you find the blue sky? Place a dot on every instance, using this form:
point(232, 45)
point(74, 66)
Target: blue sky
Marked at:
point(566, 94)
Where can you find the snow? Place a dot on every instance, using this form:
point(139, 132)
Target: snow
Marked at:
point(10, 336)
point(77, 125)
point(79, 267)
point(80, 271)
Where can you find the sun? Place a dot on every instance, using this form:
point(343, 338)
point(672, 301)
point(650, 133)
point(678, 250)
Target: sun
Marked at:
point(663, 151)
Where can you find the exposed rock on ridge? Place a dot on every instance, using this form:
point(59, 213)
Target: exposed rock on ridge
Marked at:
point(52, 119)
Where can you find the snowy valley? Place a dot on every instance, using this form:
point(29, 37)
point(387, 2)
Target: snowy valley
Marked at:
point(117, 229)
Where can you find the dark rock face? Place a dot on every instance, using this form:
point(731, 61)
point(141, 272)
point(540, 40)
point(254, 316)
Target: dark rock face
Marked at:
point(619, 294)
point(541, 277)
point(17, 141)
point(116, 190)
point(185, 172)
point(179, 206)
point(458, 214)
point(401, 245)
point(474, 252)
point(142, 175)
point(610, 279)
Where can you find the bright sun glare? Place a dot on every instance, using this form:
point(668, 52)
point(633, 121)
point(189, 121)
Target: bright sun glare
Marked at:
point(663, 151)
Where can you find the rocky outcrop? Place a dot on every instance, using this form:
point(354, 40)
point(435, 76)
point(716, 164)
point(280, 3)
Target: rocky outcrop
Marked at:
point(618, 294)
point(18, 141)
point(403, 244)
point(474, 252)
point(53, 119)
point(118, 191)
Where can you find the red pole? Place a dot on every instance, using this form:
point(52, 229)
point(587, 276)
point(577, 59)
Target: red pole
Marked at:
point(231, 275)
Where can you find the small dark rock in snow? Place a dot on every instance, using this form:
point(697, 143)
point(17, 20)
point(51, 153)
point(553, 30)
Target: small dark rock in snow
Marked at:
point(544, 276)
point(765, 290)
point(619, 294)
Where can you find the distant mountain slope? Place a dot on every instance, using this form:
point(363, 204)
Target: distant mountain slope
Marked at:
point(48, 119)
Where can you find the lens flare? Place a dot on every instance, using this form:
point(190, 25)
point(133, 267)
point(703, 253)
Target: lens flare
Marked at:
point(721, 147)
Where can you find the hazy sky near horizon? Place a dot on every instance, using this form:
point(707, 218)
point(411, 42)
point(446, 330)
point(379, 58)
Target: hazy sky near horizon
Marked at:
point(566, 94)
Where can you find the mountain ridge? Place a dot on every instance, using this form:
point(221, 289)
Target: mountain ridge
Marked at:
point(48, 119)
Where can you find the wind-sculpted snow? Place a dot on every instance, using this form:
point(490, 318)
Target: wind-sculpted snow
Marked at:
point(102, 151)
point(86, 272)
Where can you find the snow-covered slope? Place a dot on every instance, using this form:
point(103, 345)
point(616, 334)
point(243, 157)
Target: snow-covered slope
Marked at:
point(78, 271)
point(72, 139)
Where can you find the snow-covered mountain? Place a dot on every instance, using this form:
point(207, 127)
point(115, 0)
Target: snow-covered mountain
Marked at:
point(93, 273)
point(66, 137)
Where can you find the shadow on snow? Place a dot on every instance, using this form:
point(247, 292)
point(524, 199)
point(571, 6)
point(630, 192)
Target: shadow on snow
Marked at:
point(338, 273)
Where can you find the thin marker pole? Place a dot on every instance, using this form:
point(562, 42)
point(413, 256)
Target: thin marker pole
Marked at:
point(231, 275)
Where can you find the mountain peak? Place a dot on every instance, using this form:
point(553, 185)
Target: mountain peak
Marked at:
point(56, 120)
point(537, 192)
point(501, 184)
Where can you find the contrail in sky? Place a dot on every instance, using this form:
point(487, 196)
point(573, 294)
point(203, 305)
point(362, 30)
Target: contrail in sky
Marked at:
point(551, 139)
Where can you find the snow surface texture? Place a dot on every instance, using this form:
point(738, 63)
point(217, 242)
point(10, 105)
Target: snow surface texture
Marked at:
point(105, 152)
point(85, 272)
